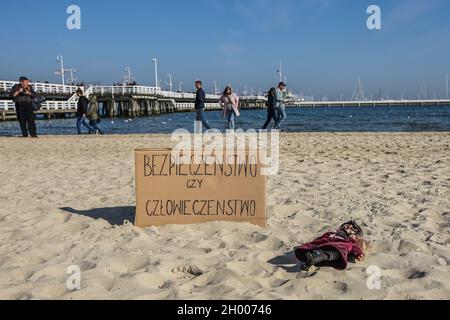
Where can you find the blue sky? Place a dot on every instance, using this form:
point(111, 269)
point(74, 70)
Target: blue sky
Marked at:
point(324, 44)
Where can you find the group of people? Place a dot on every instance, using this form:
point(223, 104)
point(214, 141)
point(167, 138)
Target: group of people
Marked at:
point(229, 101)
point(88, 110)
point(25, 98)
point(276, 106)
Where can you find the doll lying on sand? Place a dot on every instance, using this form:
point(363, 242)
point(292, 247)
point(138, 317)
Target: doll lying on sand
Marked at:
point(334, 249)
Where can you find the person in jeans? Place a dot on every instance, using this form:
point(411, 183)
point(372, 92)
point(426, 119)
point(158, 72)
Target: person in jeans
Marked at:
point(23, 94)
point(200, 104)
point(82, 111)
point(230, 104)
point(271, 112)
point(280, 104)
point(93, 116)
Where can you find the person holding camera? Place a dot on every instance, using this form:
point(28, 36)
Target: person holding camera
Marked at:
point(23, 94)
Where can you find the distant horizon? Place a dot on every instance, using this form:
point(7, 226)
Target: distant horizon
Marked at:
point(210, 90)
point(325, 45)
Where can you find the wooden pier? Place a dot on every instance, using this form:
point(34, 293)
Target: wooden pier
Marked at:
point(142, 101)
point(119, 101)
point(376, 103)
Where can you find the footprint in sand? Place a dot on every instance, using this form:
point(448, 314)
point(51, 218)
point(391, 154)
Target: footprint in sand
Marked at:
point(188, 269)
point(414, 274)
point(87, 265)
point(341, 286)
point(23, 296)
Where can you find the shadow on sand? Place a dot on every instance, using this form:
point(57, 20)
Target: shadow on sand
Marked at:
point(287, 262)
point(114, 216)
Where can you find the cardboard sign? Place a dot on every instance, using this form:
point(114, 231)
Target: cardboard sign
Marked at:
point(204, 191)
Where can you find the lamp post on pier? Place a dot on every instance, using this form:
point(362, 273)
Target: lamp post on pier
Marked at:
point(61, 71)
point(127, 77)
point(446, 87)
point(280, 72)
point(155, 61)
point(72, 79)
point(170, 82)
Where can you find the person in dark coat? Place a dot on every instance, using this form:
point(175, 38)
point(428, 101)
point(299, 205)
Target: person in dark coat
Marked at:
point(23, 94)
point(200, 99)
point(334, 249)
point(271, 111)
point(82, 110)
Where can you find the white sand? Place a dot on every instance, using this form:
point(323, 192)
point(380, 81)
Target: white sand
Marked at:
point(398, 184)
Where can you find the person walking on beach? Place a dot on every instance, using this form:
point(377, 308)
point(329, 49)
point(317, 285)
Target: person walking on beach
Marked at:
point(93, 116)
point(200, 104)
point(230, 104)
point(82, 110)
point(23, 94)
point(280, 104)
point(271, 112)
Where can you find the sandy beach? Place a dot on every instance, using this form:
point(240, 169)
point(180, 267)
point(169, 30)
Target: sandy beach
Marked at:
point(64, 200)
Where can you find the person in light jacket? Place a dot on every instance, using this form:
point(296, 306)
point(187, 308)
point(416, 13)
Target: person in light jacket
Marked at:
point(93, 116)
point(230, 104)
point(281, 106)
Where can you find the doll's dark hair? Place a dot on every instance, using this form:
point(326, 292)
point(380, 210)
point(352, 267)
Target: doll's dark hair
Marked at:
point(355, 226)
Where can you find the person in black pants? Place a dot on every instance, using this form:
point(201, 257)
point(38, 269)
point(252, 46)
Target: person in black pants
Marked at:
point(23, 95)
point(200, 104)
point(271, 111)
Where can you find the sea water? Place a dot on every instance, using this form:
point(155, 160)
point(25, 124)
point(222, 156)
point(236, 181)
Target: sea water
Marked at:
point(321, 119)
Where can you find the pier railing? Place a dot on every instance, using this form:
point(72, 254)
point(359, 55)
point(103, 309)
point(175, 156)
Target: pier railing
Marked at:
point(48, 105)
point(259, 98)
point(184, 95)
point(50, 88)
point(7, 105)
point(71, 106)
point(143, 90)
point(191, 106)
point(375, 103)
point(124, 90)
